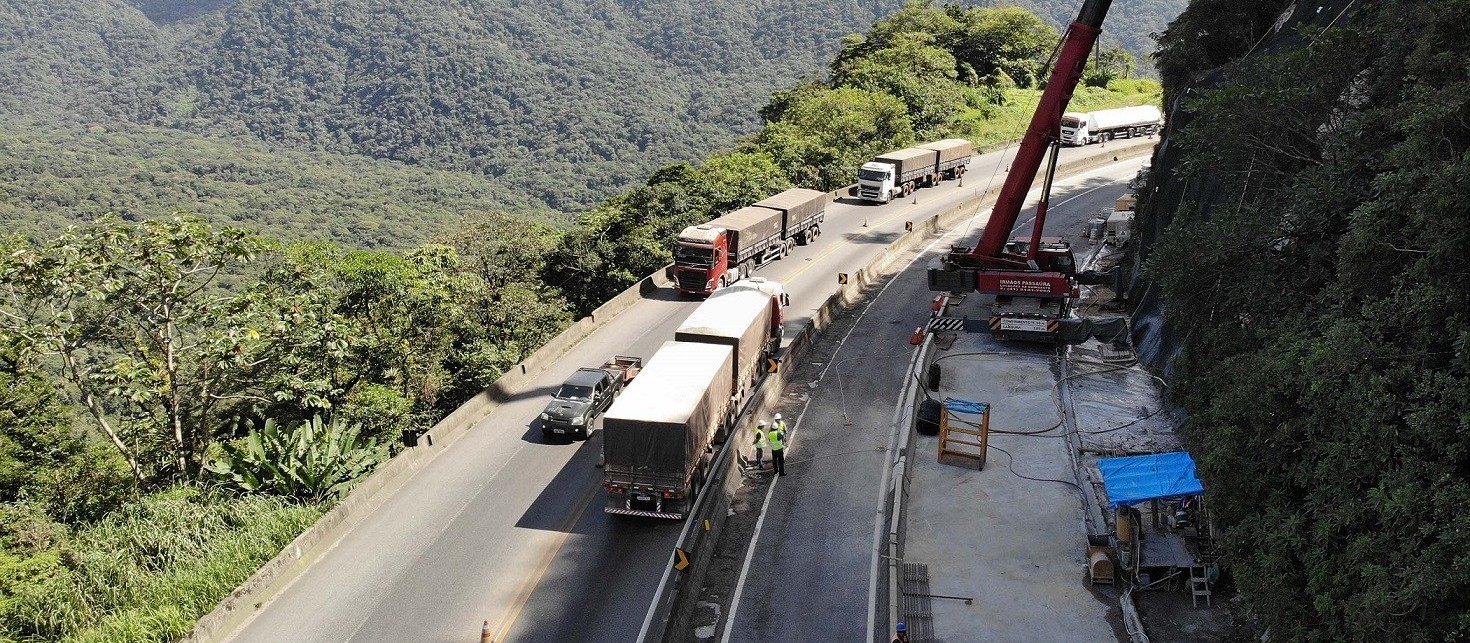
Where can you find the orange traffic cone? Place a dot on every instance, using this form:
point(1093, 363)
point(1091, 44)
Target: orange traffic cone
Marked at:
point(918, 337)
point(938, 304)
point(485, 633)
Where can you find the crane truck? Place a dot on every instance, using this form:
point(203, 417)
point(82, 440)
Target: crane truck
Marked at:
point(729, 248)
point(897, 174)
point(1032, 278)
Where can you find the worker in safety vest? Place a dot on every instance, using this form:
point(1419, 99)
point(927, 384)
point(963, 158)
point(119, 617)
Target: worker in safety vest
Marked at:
point(760, 444)
point(776, 437)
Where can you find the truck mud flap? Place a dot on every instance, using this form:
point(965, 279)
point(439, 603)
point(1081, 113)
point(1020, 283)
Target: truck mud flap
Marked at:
point(644, 514)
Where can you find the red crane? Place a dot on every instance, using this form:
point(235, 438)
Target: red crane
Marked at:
point(1032, 278)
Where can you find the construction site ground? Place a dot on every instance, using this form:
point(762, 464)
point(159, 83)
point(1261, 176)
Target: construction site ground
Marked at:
point(1010, 537)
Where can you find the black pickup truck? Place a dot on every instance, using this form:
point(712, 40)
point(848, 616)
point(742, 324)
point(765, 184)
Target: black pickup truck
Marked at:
point(585, 395)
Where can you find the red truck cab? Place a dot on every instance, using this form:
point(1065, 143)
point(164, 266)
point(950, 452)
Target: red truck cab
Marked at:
point(701, 260)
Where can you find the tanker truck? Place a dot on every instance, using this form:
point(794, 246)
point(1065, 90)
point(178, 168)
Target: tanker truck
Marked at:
point(1086, 128)
point(658, 436)
point(731, 247)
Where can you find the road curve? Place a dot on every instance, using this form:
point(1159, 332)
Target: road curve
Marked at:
point(506, 528)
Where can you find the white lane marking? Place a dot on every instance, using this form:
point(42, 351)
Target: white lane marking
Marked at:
point(770, 490)
point(1105, 185)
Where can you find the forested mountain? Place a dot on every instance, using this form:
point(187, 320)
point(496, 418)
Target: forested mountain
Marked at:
point(149, 462)
point(1129, 23)
point(564, 103)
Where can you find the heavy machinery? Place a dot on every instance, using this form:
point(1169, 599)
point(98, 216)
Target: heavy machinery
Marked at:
point(1032, 278)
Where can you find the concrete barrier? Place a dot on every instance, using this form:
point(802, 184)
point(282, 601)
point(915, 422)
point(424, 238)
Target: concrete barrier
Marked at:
point(275, 574)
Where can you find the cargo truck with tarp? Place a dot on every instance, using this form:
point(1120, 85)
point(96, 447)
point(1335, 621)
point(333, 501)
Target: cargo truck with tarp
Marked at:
point(802, 212)
point(730, 248)
point(749, 322)
point(658, 436)
point(897, 174)
point(954, 156)
point(711, 255)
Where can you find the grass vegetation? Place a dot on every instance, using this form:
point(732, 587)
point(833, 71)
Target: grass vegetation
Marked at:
point(1007, 121)
point(144, 573)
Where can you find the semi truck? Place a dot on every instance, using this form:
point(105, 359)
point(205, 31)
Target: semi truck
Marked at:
point(731, 247)
point(658, 436)
point(1086, 128)
point(749, 322)
point(897, 174)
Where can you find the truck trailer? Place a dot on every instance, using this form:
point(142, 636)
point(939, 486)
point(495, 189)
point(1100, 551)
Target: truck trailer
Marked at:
point(1086, 128)
point(730, 248)
point(898, 174)
point(658, 436)
point(802, 212)
point(954, 156)
point(746, 320)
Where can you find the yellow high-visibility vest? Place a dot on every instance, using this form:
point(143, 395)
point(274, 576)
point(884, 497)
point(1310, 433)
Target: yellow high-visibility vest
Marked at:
point(775, 437)
point(760, 438)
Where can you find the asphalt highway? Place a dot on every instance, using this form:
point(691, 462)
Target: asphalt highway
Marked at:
point(508, 528)
point(809, 577)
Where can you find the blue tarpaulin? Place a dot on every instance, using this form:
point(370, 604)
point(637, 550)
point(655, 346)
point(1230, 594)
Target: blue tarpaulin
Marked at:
point(964, 406)
point(1149, 477)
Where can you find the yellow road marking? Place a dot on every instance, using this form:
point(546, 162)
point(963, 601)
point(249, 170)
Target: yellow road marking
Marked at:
point(507, 620)
point(828, 253)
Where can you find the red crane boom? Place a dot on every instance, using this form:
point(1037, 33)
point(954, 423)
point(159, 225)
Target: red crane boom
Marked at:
point(1038, 269)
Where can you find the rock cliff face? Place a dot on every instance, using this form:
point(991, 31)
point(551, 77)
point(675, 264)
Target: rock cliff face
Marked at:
point(1261, 29)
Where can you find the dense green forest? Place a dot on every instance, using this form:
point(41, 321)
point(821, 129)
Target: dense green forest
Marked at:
point(560, 106)
point(55, 176)
point(1314, 274)
point(1130, 24)
point(181, 394)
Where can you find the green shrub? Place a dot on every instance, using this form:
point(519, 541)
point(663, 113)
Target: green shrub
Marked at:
point(310, 460)
point(144, 573)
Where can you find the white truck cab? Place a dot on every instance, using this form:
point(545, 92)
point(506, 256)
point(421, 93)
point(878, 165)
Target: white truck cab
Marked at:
point(876, 182)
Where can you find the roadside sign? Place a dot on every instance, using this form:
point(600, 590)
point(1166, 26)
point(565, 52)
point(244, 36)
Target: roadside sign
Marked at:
point(681, 559)
point(842, 278)
point(773, 365)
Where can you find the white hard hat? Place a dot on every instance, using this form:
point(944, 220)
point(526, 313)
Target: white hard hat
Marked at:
point(778, 416)
point(761, 423)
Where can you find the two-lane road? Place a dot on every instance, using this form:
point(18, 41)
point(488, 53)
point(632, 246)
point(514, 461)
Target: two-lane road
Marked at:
point(505, 528)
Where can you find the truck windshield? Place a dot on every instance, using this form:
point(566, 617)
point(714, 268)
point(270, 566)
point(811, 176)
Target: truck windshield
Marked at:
point(872, 175)
point(1070, 123)
point(692, 256)
point(574, 392)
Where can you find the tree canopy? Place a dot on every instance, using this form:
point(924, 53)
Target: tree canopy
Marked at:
point(1312, 272)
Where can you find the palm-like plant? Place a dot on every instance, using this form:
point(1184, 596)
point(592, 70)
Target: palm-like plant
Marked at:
point(309, 460)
